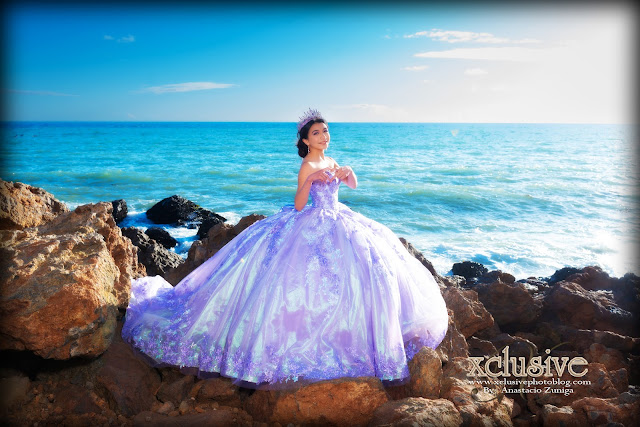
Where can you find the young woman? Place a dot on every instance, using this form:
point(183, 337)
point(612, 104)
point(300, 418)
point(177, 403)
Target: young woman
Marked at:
point(314, 292)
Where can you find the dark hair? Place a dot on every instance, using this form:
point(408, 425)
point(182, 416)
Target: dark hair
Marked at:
point(303, 133)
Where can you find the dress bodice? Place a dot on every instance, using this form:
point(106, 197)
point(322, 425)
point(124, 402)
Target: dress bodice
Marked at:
point(325, 195)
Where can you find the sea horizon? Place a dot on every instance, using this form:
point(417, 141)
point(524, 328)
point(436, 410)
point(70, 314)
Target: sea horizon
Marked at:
point(526, 198)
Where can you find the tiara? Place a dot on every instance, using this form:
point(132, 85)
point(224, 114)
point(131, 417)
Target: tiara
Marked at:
point(307, 117)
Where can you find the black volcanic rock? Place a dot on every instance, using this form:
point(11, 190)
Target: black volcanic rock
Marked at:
point(206, 225)
point(120, 210)
point(469, 269)
point(161, 236)
point(151, 254)
point(179, 211)
point(562, 274)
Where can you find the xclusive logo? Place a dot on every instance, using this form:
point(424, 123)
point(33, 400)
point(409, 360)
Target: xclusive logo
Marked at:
point(506, 366)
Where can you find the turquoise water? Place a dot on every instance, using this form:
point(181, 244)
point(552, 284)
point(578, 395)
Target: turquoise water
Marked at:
point(525, 198)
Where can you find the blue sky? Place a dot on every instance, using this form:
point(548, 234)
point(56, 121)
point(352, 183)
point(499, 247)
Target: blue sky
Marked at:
point(402, 63)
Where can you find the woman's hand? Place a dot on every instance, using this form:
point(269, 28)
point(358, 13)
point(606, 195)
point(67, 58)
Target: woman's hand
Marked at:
point(343, 172)
point(324, 175)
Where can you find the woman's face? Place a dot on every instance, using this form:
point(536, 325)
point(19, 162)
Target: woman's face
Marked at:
point(318, 137)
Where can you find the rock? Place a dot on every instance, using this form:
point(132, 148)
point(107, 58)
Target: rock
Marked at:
point(559, 417)
point(598, 411)
point(223, 416)
point(600, 385)
point(468, 269)
point(611, 358)
point(562, 274)
point(426, 374)
point(13, 392)
point(620, 379)
point(24, 206)
point(478, 403)
point(73, 399)
point(575, 306)
point(496, 275)
point(207, 224)
point(120, 210)
point(175, 391)
point(344, 401)
point(87, 267)
point(518, 346)
point(581, 339)
point(156, 259)
point(166, 408)
point(522, 307)
point(178, 210)
point(481, 348)
point(126, 380)
point(202, 250)
point(417, 411)
point(453, 344)
point(219, 390)
point(470, 314)
point(161, 236)
point(625, 290)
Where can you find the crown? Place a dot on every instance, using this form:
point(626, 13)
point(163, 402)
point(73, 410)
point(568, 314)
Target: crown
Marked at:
point(307, 117)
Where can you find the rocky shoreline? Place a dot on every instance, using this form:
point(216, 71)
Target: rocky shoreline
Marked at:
point(65, 283)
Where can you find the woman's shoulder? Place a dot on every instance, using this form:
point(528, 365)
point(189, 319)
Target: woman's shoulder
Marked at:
point(334, 164)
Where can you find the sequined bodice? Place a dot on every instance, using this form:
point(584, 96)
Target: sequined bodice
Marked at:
point(325, 195)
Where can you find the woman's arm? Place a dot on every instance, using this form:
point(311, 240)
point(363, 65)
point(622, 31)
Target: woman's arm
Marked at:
point(346, 175)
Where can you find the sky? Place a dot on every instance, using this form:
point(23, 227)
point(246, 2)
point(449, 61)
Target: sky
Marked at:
point(384, 62)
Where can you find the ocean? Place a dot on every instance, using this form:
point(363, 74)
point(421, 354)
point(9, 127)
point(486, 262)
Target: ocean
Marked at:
point(527, 199)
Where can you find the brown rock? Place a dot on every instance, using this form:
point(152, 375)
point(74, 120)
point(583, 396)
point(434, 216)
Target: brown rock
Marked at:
point(509, 303)
point(345, 401)
point(220, 417)
point(611, 358)
point(24, 206)
point(219, 390)
point(599, 411)
point(478, 403)
point(175, 391)
point(469, 314)
point(426, 374)
point(575, 306)
point(620, 379)
point(87, 267)
point(478, 347)
point(73, 399)
point(565, 416)
point(453, 344)
point(417, 411)
point(128, 383)
point(581, 339)
point(13, 392)
point(597, 381)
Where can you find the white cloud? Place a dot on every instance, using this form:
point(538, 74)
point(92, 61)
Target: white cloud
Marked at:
point(186, 87)
point(518, 54)
point(416, 68)
point(40, 92)
point(127, 39)
point(475, 72)
point(467, 36)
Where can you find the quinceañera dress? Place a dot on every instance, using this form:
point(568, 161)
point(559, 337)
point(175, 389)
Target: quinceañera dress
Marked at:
point(305, 295)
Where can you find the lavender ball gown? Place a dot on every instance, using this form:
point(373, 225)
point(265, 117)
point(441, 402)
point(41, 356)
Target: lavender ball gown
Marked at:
point(305, 295)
